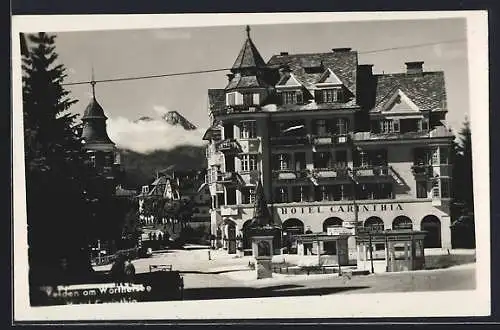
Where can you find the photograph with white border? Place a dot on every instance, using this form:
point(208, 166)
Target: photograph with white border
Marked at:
point(250, 166)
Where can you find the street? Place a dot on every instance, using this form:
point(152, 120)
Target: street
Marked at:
point(227, 277)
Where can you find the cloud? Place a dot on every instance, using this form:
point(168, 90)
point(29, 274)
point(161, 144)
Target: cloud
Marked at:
point(170, 34)
point(160, 109)
point(449, 51)
point(148, 136)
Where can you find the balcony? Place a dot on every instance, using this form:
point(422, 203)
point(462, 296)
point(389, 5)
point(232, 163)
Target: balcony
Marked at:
point(228, 210)
point(227, 177)
point(289, 140)
point(229, 146)
point(438, 132)
point(370, 171)
point(290, 174)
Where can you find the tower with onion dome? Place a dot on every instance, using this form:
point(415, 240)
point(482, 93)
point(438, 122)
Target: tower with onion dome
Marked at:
point(101, 152)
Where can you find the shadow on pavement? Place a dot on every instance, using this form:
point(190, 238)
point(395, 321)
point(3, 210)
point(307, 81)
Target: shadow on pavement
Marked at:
point(276, 291)
point(213, 272)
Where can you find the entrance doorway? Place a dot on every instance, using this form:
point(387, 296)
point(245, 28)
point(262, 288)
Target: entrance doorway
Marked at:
point(432, 226)
point(330, 247)
point(291, 228)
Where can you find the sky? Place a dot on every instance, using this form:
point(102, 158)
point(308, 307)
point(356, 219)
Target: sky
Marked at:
point(129, 53)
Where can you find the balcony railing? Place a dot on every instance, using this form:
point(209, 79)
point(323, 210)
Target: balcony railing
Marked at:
point(372, 171)
point(227, 177)
point(229, 145)
point(290, 174)
point(289, 140)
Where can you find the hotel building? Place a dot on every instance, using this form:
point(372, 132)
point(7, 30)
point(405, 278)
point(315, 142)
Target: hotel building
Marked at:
point(335, 146)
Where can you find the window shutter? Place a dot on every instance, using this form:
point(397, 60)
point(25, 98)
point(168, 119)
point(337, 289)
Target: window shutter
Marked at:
point(256, 98)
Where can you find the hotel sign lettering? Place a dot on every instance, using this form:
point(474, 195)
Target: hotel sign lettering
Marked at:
point(339, 209)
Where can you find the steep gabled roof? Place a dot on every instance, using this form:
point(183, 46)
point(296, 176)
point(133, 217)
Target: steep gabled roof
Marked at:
point(426, 90)
point(343, 64)
point(249, 56)
point(329, 78)
point(288, 81)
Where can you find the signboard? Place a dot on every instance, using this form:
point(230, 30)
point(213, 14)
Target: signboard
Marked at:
point(368, 208)
point(336, 231)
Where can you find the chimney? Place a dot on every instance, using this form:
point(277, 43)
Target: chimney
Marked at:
point(341, 50)
point(414, 67)
point(230, 76)
point(366, 69)
point(284, 54)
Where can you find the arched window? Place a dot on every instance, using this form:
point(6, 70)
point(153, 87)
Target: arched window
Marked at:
point(247, 238)
point(374, 223)
point(402, 222)
point(432, 226)
point(332, 222)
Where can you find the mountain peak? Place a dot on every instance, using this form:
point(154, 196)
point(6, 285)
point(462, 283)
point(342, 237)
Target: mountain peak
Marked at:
point(174, 118)
point(143, 119)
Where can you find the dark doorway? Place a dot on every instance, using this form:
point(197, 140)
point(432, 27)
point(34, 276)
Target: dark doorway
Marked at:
point(432, 226)
point(292, 228)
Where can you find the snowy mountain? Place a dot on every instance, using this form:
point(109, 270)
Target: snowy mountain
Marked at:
point(143, 119)
point(174, 118)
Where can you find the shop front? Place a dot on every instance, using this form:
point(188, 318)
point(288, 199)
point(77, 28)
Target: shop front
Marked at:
point(390, 250)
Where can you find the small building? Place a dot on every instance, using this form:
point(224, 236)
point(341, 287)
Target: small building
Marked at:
point(391, 250)
point(320, 244)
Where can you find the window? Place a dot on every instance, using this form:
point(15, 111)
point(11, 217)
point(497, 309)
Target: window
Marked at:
point(423, 124)
point(445, 188)
point(92, 161)
point(248, 99)
point(341, 158)
point(248, 195)
point(363, 159)
point(341, 125)
point(249, 162)
point(322, 160)
point(231, 196)
point(300, 161)
point(444, 155)
point(230, 98)
point(281, 162)
point(281, 195)
point(331, 95)
point(435, 156)
point(300, 193)
point(340, 192)
point(421, 189)
point(248, 129)
point(435, 189)
point(292, 97)
point(322, 193)
point(395, 125)
point(321, 127)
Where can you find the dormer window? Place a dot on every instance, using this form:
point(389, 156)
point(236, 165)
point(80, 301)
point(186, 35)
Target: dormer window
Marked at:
point(291, 97)
point(389, 126)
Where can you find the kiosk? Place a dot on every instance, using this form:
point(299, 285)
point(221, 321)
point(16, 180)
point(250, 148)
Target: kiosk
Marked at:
point(337, 246)
point(390, 250)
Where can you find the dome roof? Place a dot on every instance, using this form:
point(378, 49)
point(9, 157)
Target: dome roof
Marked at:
point(94, 110)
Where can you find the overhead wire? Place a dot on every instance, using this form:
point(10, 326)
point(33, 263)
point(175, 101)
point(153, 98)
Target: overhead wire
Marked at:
point(226, 69)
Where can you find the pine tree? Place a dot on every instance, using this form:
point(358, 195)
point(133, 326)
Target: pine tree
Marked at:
point(55, 170)
point(463, 231)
